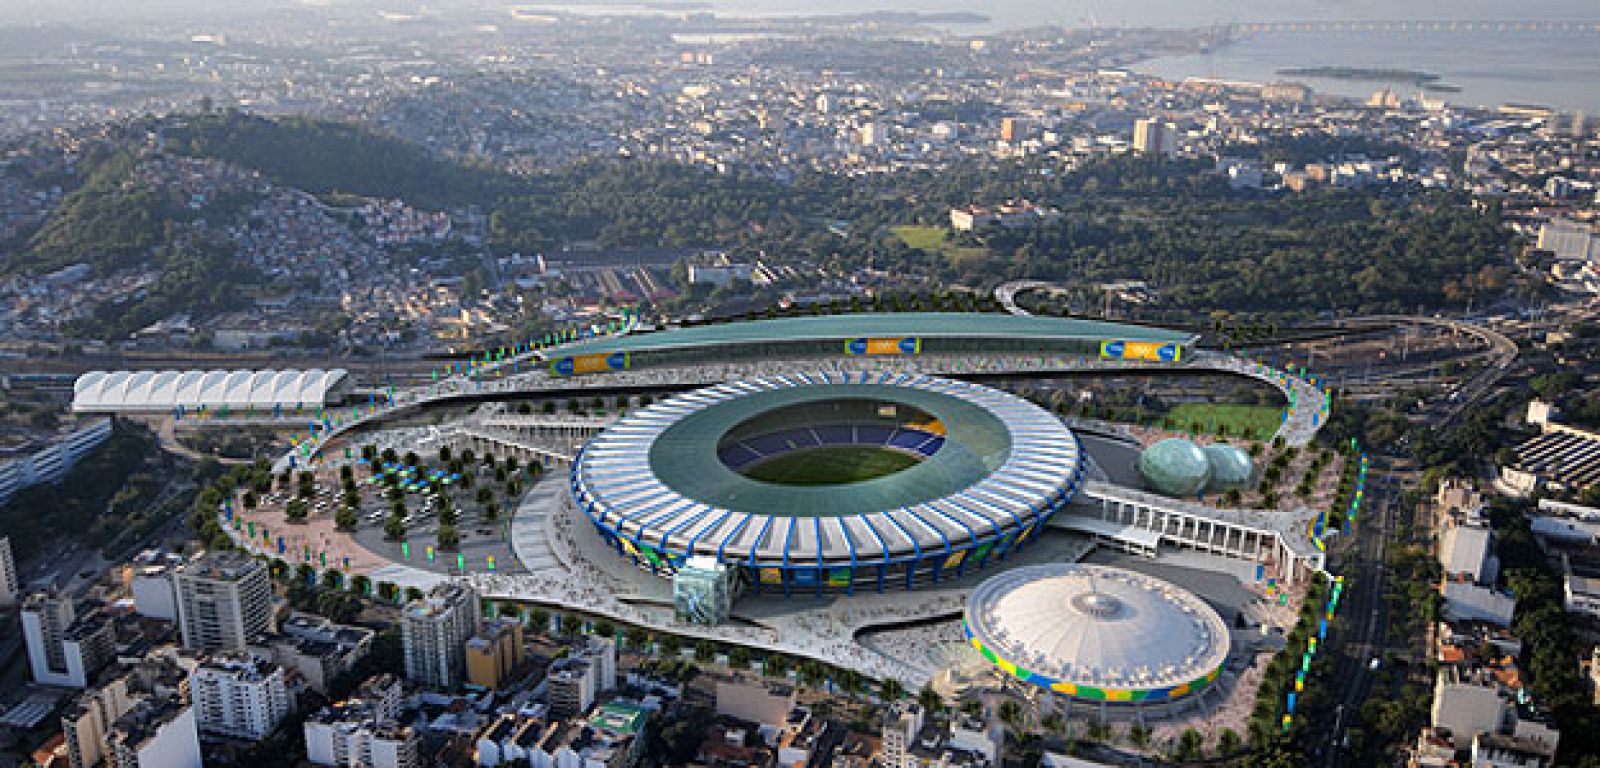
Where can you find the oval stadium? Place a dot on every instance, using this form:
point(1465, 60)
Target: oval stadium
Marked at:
point(1097, 633)
point(828, 481)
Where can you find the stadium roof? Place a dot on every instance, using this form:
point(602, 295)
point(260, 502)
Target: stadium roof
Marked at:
point(1097, 632)
point(152, 391)
point(684, 456)
point(1017, 459)
point(964, 325)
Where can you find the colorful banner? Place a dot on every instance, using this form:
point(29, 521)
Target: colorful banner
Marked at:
point(576, 365)
point(889, 345)
point(1141, 350)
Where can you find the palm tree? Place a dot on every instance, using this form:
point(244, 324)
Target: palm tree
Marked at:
point(1191, 745)
point(361, 584)
point(1011, 713)
point(774, 664)
point(1139, 736)
point(1054, 723)
point(332, 579)
point(1228, 742)
point(930, 699)
point(571, 625)
point(539, 620)
point(891, 689)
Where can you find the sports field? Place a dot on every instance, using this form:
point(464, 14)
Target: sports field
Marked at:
point(931, 239)
point(1254, 422)
point(831, 465)
point(920, 236)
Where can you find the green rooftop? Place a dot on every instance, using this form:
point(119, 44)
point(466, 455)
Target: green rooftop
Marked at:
point(961, 325)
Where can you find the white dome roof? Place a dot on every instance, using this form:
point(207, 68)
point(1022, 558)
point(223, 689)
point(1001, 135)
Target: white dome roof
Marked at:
point(1097, 626)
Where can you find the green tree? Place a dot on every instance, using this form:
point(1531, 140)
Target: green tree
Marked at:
point(1191, 745)
point(1228, 742)
point(1011, 713)
point(449, 537)
point(570, 625)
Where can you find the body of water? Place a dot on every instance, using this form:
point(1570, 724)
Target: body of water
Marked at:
point(1556, 70)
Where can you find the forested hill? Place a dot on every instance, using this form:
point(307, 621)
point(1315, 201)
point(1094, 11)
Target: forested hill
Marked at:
point(326, 157)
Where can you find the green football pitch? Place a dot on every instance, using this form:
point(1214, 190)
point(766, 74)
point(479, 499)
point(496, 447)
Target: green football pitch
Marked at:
point(831, 465)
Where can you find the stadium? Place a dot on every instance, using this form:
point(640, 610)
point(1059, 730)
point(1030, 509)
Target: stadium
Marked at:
point(815, 482)
point(1097, 633)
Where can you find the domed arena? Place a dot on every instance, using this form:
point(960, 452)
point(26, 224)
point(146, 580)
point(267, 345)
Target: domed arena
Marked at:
point(1175, 467)
point(828, 482)
point(1097, 633)
point(1231, 467)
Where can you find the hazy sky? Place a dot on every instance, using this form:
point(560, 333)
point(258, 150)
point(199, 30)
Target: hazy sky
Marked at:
point(1005, 13)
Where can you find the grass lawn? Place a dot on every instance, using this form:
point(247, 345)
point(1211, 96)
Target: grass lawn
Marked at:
point(831, 465)
point(931, 239)
point(1255, 422)
point(928, 238)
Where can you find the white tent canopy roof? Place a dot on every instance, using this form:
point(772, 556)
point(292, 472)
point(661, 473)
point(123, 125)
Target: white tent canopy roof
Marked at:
point(159, 391)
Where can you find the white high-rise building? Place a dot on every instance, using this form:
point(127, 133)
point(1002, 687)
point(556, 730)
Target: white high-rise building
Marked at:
point(362, 732)
point(1152, 136)
point(64, 649)
point(577, 680)
point(9, 589)
point(900, 728)
point(434, 632)
point(239, 696)
point(151, 583)
point(872, 134)
point(157, 733)
point(86, 724)
point(224, 600)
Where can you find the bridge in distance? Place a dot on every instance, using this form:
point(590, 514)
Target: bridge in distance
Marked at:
point(1411, 27)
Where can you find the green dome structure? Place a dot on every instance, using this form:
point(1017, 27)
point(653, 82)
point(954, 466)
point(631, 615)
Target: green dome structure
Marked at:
point(1231, 467)
point(1175, 467)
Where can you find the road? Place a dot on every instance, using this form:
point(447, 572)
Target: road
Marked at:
point(1365, 613)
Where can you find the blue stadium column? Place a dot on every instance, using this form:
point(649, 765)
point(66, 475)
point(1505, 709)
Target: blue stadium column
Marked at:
point(938, 564)
point(787, 574)
point(850, 587)
point(916, 548)
point(883, 547)
point(822, 573)
point(753, 547)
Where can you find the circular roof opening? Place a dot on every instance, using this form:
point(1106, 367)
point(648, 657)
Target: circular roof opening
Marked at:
point(831, 442)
